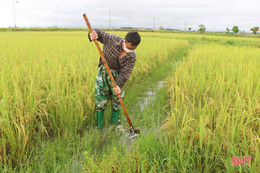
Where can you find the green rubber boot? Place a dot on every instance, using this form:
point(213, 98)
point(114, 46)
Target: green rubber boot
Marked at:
point(115, 117)
point(100, 119)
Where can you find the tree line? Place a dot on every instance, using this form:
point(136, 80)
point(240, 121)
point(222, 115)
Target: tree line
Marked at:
point(235, 29)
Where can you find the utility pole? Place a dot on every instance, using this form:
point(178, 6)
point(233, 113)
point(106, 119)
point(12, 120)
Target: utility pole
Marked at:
point(185, 24)
point(153, 24)
point(56, 17)
point(110, 19)
point(14, 12)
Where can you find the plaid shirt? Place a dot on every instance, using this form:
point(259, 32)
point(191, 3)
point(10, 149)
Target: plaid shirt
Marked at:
point(112, 50)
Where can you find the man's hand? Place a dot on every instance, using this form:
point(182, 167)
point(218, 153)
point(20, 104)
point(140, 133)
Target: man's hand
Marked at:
point(117, 90)
point(93, 36)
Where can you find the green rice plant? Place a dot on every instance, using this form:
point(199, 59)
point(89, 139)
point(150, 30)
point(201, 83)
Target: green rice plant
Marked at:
point(215, 108)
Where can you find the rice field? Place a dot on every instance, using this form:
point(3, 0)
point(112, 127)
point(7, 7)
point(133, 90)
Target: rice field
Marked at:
point(47, 85)
point(47, 92)
point(215, 105)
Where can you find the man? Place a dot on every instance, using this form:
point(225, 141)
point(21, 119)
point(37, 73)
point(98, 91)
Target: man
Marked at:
point(120, 57)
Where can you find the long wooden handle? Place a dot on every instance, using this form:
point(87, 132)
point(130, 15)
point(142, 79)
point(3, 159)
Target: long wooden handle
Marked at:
point(108, 70)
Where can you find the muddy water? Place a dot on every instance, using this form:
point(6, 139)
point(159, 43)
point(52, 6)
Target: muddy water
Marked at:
point(150, 95)
point(126, 138)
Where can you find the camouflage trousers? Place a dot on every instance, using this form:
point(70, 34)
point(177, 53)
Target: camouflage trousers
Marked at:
point(104, 89)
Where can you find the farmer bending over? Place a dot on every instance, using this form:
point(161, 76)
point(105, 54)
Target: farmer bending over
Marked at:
point(120, 57)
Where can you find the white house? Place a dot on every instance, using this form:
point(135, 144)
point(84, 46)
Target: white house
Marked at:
point(251, 31)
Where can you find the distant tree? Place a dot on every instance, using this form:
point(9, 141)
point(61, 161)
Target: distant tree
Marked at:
point(161, 28)
point(127, 27)
point(227, 31)
point(235, 29)
point(189, 29)
point(202, 28)
point(255, 29)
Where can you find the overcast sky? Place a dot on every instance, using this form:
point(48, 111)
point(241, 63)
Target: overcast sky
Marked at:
point(216, 15)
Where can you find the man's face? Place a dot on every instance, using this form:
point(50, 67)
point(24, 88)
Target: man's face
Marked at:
point(129, 45)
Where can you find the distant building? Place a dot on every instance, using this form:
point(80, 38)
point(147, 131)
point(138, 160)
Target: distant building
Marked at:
point(155, 29)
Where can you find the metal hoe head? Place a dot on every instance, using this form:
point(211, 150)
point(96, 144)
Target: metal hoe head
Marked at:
point(134, 131)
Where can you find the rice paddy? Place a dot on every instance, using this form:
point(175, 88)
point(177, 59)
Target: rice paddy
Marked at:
point(206, 112)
